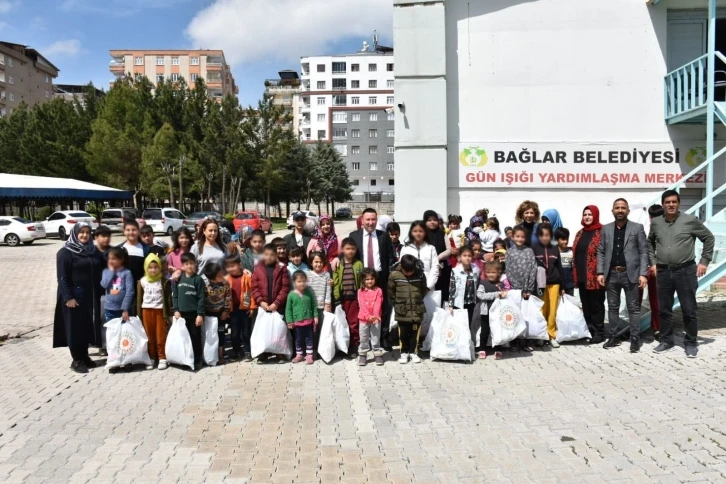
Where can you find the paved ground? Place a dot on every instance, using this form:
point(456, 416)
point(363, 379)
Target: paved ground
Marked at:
point(576, 414)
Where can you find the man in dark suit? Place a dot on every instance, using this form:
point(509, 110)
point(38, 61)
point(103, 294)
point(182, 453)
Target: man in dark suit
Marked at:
point(622, 265)
point(375, 251)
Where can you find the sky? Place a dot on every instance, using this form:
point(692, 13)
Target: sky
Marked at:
point(259, 37)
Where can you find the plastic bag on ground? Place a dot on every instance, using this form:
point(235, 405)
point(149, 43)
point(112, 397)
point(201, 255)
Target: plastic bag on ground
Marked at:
point(326, 345)
point(536, 322)
point(210, 341)
point(432, 301)
point(571, 324)
point(126, 343)
point(341, 331)
point(178, 347)
point(451, 337)
point(270, 335)
point(505, 319)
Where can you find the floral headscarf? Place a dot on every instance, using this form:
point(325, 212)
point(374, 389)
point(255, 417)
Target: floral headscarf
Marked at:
point(75, 245)
point(244, 233)
point(329, 243)
point(469, 232)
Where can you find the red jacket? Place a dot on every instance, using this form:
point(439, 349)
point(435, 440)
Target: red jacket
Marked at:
point(280, 285)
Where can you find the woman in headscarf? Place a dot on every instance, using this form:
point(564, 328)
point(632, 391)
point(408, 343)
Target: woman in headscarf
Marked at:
point(326, 240)
point(437, 237)
point(527, 215)
point(474, 228)
point(383, 222)
point(78, 307)
point(584, 272)
point(552, 217)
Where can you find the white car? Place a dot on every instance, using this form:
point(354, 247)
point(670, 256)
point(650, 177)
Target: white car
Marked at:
point(164, 220)
point(14, 230)
point(61, 223)
point(308, 214)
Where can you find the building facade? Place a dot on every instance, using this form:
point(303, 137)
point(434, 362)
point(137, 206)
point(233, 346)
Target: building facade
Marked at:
point(568, 111)
point(72, 92)
point(284, 92)
point(161, 65)
point(25, 76)
point(348, 100)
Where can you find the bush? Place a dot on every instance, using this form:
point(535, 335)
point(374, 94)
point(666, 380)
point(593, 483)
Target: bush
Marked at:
point(44, 212)
point(94, 209)
point(228, 217)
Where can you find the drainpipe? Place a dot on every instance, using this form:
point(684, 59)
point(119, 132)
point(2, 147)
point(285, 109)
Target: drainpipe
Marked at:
point(710, 113)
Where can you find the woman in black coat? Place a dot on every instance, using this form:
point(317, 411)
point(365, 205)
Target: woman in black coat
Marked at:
point(78, 308)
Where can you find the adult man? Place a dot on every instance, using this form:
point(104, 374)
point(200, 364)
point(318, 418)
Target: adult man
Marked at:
point(375, 251)
point(671, 250)
point(622, 265)
point(298, 237)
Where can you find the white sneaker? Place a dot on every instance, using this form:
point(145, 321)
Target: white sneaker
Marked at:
point(403, 359)
point(415, 358)
point(554, 343)
point(163, 365)
point(151, 366)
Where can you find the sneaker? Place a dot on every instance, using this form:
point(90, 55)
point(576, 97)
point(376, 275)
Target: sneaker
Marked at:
point(79, 366)
point(415, 358)
point(691, 351)
point(498, 355)
point(298, 358)
point(309, 360)
point(281, 359)
point(163, 365)
point(635, 344)
point(663, 347)
point(379, 360)
point(362, 360)
point(554, 343)
point(102, 352)
point(482, 355)
point(248, 357)
point(151, 366)
point(235, 356)
point(611, 343)
point(403, 359)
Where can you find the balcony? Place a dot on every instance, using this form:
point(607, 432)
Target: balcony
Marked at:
point(215, 63)
point(305, 122)
point(212, 79)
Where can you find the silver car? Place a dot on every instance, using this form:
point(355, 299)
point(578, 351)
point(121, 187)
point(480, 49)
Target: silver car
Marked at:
point(197, 218)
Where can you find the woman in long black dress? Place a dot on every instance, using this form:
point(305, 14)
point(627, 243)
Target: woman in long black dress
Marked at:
point(78, 309)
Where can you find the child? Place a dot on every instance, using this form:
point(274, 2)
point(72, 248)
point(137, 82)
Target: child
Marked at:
point(297, 254)
point(548, 257)
point(118, 283)
point(370, 304)
point(302, 315)
point(477, 255)
point(490, 288)
point(562, 236)
point(417, 246)
point(270, 286)
point(188, 302)
point(299, 237)
point(499, 244)
point(319, 283)
point(136, 254)
point(102, 239)
point(489, 235)
point(456, 236)
point(218, 300)
point(521, 266)
point(281, 248)
point(463, 286)
point(252, 255)
point(508, 237)
point(182, 243)
point(146, 234)
point(241, 317)
point(152, 305)
point(346, 282)
point(406, 290)
point(394, 233)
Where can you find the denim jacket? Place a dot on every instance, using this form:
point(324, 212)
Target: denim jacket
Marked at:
point(457, 288)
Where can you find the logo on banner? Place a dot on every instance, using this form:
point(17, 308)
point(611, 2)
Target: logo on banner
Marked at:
point(473, 156)
point(696, 156)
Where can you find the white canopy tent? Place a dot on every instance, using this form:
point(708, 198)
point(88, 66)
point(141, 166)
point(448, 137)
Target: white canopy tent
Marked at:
point(13, 187)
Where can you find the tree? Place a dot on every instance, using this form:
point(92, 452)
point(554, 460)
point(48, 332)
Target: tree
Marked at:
point(333, 180)
point(11, 134)
point(159, 161)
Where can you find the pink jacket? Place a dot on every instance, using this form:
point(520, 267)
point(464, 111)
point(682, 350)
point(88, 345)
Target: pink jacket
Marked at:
point(370, 304)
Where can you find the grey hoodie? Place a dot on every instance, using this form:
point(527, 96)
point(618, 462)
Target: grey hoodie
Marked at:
point(522, 268)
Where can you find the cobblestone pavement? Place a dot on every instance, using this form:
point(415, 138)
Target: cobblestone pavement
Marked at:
point(576, 414)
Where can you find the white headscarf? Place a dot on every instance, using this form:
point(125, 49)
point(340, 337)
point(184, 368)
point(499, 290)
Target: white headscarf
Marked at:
point(383, 222)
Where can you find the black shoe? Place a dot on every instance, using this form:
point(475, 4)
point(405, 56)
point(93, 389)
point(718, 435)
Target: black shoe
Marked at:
point(663, 347)
point(611, 343)
point(79, 366)
point(635, 344)
point(691, 351)
point(102, 352)
point(90, 363)
point(596, 339)
point(388, 347)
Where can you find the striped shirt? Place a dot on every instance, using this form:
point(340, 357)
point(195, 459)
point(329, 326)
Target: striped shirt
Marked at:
point(319, 284)
point(349, 289)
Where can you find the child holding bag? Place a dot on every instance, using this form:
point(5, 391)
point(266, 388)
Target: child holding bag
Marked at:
point(491, 287)
point(463, 286)
point(302, 315)
point(188, 303)
point(370, 303)
point(218, 300)
point(153, 307)
point(548, 258)
point(270, 287)
point(521, 268)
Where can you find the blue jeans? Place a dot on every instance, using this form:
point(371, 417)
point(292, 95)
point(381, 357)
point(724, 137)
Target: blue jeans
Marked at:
point(112, 314)
point(241, 324)
point(304, 339)
point(684, 283)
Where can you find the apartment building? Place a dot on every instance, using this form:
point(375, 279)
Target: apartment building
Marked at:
point(25, 76)
point(71, 92)
point(348, 100)
point(160, 65)
point(284, 92)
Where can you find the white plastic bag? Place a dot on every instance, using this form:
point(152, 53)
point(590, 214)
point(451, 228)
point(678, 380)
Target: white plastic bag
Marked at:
point(179, 349)
point(393, 324)
point(571, 324)
point(126, 343)
point(326, 344)
point(210, 341)
point(505, 319)
point(432, 301)
point(341, 331)
point(270, 335)
point(451, 337)
point(536, 322)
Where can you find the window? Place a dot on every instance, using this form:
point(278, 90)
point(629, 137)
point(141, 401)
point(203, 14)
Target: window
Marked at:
point(389, 83)
point(159, 61)
point(340, 117)
point(355, 150)
point(175, 77)
point(47, 95)
point(194, 61)
point(372, 67)
point(321, 84)
point(12, 96)
point(355, 84)
point(338, 67)
point(389, 67)
point(193, 77)
point(10, 62)
point(10, 80)
point(339, 100)
point(372, 84)
point(321, 118)
point(321, 67)
point(372, 100)
point(356, 183)
point(373, 150)
point(321, 134)
point(46, 78)
point(389, 133)
point(355, 100)
point(389, 166)
point(354, 67)
point(160, 78)
point(391, 116)
point(390, 150)
point(321, 101)
point(2, 60)
point(373, 183)
point(355, 133)
point(373, 117)
point(390, 182)
point(355, 117)
point(389, 100)
point(340, 133)
point(339, 84)
point(342, 149)
point(138, 61)
point(175, 61)
point(355, 165)
point(373, 133)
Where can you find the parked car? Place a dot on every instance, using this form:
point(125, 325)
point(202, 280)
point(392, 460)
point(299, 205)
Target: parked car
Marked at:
point(14, 230)
point(343, 212)
point(308, 214)
point(61, 223)
point(114, 218)
point(254, 220)
point(164, 220)
point(197, 217)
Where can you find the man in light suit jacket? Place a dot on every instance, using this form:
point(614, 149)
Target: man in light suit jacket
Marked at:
point(622, 265)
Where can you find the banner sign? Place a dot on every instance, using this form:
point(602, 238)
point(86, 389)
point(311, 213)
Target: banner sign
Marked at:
point(560, 165)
